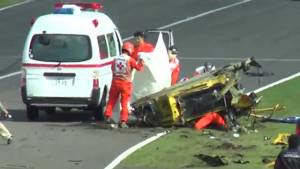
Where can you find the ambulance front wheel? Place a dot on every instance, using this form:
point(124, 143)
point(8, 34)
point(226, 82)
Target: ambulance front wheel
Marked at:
point(32, 113)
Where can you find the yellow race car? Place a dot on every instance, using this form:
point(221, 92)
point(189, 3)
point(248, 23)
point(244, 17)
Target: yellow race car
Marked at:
point(216, 91)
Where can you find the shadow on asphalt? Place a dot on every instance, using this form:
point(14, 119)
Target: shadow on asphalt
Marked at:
point(59, 116)
point(81, 119)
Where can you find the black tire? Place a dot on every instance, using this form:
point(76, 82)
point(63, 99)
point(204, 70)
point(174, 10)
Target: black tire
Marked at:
point(32, 113)
point(66, 109)
point(50, 111)
point(99, 110)
point(149, 118)
point(98, 113)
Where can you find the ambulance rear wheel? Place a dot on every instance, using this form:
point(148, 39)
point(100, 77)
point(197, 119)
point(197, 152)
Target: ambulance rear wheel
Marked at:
point(99, 110)
point(32, 112)
point(66, 109)
point(98, 113)
point(50, 111)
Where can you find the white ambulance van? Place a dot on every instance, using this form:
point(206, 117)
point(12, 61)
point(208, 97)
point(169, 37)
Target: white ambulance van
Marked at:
point(67, 60)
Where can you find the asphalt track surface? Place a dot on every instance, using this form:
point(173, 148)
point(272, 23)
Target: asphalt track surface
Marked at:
point(266, 29)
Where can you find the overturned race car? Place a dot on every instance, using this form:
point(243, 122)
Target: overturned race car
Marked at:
point(184, 103)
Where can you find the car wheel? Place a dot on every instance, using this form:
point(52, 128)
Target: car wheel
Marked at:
point(99, 110)
point(50, 111)
point(32, 113)
point(149, 118)
point(98, 113)
point(66, 109)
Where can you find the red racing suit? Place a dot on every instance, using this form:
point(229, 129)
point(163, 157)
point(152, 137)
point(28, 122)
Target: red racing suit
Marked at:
point(143, 47)
point(175, 70)
point(208, 119)
point(121, 85)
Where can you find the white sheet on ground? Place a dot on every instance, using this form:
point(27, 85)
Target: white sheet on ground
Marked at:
point(156, 74)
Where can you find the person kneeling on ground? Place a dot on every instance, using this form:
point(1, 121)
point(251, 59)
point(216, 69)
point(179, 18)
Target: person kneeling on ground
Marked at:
point(289, 158)
point(121, 83)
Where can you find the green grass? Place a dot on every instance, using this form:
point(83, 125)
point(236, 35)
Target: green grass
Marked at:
point(177, 149)
point(8, 2)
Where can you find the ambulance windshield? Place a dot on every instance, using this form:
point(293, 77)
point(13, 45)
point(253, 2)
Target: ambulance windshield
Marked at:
point(60, 48)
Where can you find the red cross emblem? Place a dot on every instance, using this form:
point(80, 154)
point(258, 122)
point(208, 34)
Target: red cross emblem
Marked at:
point(120, 66)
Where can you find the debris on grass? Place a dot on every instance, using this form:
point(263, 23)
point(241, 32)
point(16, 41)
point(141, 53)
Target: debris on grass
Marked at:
point(213, 161)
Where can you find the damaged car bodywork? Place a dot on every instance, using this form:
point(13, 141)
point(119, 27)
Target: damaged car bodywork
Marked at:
point(216, 91)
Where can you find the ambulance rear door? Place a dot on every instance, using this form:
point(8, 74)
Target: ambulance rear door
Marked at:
point(60, 66)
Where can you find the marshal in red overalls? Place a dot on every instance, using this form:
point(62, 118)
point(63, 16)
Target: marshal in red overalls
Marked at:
point(174, 64)
point(121, 83)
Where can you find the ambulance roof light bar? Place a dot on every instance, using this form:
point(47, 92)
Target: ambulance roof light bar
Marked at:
point(84, 6)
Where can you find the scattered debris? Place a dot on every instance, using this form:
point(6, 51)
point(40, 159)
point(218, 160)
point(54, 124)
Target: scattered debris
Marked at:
point(214, 160)
point(281, 139)
point(75, 162)
point(230, 145)
point(241, 161)
point(183, 136)
point(239, 158)
point(266, 138)
point(236, 135)
point(268, 159)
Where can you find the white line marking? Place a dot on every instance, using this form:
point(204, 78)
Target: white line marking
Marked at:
point(204, 14)
point(10, 75)
point(277, 82)
point(197, 16)
point(132, 149)
point(234, 59)
point(14, 5)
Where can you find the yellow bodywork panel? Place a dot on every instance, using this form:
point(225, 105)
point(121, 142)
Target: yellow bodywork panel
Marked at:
point(174, 109)
point(167, 101)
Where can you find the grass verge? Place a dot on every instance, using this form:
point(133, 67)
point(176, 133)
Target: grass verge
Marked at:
point(178, 149)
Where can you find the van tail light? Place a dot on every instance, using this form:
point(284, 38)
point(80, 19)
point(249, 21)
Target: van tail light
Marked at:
point(32, 21)
point(95, 80)
point(95, 83)
point(23, 78)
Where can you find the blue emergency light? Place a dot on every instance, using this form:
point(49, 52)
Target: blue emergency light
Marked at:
point(63, 11)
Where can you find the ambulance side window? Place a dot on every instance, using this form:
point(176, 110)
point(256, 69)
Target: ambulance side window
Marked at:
point(103, 47)
point(112, 44)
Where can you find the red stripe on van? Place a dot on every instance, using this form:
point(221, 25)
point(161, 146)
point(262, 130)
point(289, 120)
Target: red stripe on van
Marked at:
point(68, 65)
